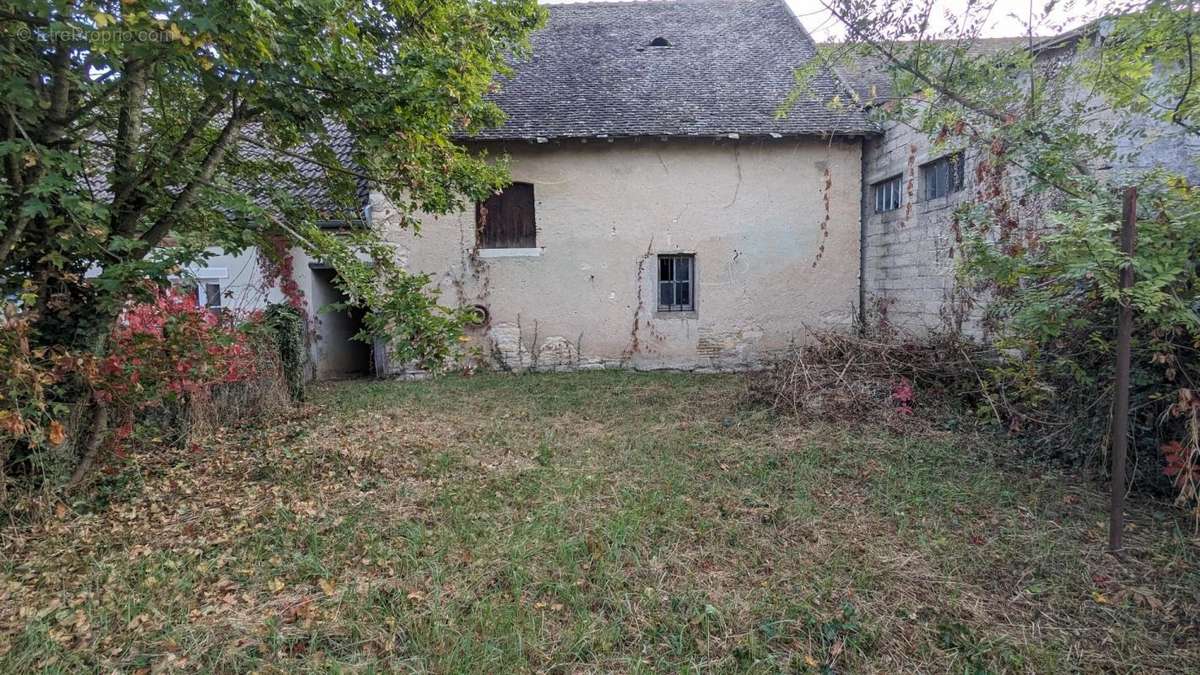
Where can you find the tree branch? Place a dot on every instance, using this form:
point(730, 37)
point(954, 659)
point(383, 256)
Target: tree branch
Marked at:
point(940, 88)
point(309, 160)
point(29, 19)
point(1175, 116)
point(187, 196)
point(17, 227)
point(91, 448)
point(127, 222)
point(129, 134)
point(60, 96)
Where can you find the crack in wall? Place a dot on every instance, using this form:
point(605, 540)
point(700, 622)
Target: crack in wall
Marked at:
point(634, 338)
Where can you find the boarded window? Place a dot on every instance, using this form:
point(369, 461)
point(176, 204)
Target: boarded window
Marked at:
point(943, 176)
point(506, 219)
point(676, 283)
point(887, 194)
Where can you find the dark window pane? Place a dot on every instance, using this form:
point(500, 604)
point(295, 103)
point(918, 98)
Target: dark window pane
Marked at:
point(683, 269)
point(683, 295)
point(664, 269)
point(212, 296)
point(506, 220)
point(665, 293)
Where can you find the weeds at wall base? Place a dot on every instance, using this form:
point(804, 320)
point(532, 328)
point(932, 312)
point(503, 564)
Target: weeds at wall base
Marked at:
point(944, 382)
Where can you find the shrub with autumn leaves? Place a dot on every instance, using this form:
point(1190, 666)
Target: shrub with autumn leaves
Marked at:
point(170, 348)
point(164, 352)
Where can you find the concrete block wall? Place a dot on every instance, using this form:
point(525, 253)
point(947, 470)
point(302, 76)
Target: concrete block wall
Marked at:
point(909, 254)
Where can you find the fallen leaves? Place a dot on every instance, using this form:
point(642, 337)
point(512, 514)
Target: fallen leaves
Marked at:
point(327, 586)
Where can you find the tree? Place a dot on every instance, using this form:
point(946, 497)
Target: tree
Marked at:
point(135, 133)
point(1045, 123)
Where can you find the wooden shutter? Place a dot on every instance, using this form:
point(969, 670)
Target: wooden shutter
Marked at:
point(506, 220)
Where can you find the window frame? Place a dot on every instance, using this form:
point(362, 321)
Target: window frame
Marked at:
point(949, 168)
point(486, 240)
point(894, 187)
point(674, 282)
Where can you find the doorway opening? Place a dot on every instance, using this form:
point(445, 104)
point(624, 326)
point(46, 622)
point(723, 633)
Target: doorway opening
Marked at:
point(338, 354)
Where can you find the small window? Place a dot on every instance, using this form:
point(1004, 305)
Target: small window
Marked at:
point(506, 219)
point(660, 42)
point(676, 283)
point(888, 194)
point(208, 294)
point(943, 176)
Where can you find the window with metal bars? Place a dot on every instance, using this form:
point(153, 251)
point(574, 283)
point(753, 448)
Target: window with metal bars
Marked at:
point(943, 176)
point(888, 194)
point(676, 283)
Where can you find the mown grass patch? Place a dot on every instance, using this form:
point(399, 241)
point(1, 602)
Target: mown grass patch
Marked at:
point(605, 521)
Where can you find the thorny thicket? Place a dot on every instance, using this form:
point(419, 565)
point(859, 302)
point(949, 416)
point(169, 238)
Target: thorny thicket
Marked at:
point(1041, 126)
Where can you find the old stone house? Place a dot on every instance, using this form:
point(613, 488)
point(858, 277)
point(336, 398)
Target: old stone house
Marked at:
point(664, 212)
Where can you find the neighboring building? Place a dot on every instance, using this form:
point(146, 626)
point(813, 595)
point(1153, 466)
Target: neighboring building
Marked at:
point(911, 189)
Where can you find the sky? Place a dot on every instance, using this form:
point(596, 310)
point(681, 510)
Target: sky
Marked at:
point(1009, 18)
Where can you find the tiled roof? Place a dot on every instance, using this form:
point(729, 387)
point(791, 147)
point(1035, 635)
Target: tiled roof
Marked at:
point(310, 183)
point(729, 67)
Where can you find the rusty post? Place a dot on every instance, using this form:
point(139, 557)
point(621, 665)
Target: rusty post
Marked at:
point(1120, 423)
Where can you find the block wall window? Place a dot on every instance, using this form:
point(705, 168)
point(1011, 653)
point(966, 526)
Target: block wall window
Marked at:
point(506, 219)
point(676, 283)
point(943, 176)
point(887, 194)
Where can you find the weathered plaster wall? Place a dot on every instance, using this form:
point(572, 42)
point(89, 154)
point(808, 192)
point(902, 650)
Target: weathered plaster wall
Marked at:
point(241, 280)
point(774, 226)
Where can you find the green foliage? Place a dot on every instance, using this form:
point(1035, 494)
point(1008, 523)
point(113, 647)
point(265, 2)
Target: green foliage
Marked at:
point(1051, 289)
point(136, 134)
point(1147, 66)
point(1043, 130)
point(287, 328)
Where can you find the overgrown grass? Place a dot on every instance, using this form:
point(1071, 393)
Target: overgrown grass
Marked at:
point(603, 521)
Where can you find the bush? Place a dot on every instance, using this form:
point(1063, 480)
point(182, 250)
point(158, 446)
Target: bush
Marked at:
point(168, 364)
point(1054, 313)
point(286, 324)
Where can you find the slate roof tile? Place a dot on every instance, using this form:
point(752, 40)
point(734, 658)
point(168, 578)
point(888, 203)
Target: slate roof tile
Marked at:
point(730, 65)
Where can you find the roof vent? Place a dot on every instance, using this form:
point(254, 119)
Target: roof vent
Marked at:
point(660, 42)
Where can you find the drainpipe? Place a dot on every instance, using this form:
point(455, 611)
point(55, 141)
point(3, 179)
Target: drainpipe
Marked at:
point(862, 235)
